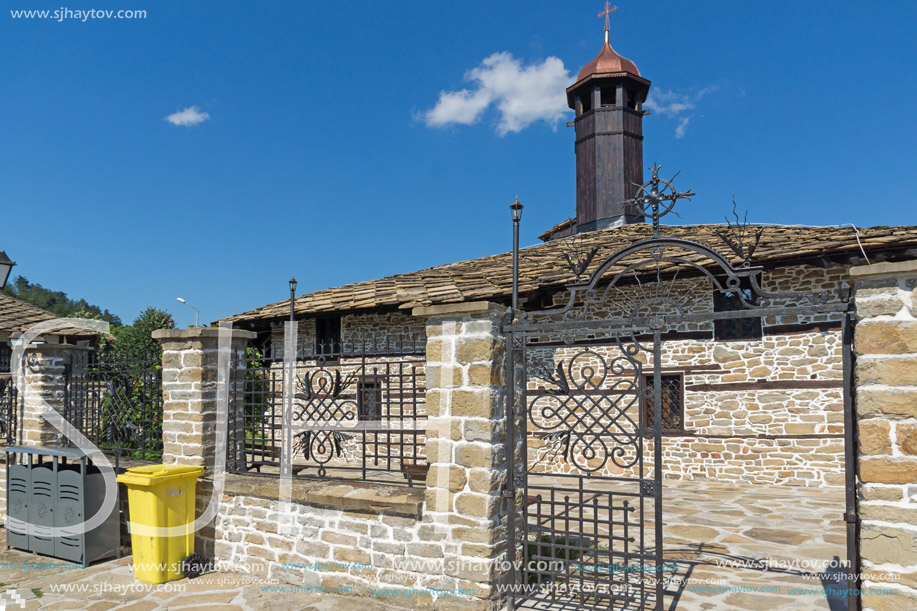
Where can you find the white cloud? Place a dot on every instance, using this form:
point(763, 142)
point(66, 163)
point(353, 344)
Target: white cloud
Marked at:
point(521, 94)
point(683, 126)
point(676, 106)
point(188, 117)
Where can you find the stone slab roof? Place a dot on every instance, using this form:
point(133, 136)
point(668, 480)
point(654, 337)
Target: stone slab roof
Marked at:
point(17, 316)
point(544, 266)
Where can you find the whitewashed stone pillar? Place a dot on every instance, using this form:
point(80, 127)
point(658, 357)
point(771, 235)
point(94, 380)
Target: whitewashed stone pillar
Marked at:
point(885, 342)
point(465, 446)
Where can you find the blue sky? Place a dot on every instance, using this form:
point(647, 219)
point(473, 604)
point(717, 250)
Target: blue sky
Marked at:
point(319, 155)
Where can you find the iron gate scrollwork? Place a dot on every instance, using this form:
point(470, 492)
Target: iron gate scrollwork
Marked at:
point(357, 411)
point(585, 456)
point(577, 413)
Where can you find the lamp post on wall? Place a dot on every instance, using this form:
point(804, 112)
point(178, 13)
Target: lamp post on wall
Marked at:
point(511, 410)
point(516, 209)
point(197, 313)
point(292, 295)
point(6, 266)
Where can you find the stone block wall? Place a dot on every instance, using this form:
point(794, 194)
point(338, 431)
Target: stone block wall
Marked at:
point(45, 385)
point(375, 329)
point(356, 537)
point(435, 547)
point(885, 342)
point(190, 374)
point(353, 537)
point(766, 410)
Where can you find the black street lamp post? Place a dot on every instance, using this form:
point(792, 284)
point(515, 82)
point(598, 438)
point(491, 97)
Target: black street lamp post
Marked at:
point(292, 296)
point(6, 266)
point(511, 420)
point(516, 208)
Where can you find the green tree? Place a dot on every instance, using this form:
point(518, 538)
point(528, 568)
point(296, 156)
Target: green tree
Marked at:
point(87, 313)
point(137, 337)
point(57, 302)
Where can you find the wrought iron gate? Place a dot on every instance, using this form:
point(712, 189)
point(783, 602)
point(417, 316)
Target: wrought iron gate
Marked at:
point(589, 404)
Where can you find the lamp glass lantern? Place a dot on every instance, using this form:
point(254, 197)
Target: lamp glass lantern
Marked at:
point(516, 208)
point(6, 266)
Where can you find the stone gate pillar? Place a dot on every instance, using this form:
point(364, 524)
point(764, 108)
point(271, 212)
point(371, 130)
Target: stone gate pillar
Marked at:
point(45, 370)
point(885, 344)
point(190, 366)
point(465, 446)
point(190, 359)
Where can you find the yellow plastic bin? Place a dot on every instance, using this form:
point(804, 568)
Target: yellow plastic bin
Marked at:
point(163, 496)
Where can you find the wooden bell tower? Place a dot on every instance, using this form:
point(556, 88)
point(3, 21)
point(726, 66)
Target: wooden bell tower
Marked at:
point(608, 98)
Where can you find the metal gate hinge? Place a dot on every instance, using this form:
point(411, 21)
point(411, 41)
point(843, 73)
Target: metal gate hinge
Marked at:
point(851, 518)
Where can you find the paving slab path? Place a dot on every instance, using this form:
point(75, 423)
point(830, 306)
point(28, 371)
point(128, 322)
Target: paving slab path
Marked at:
point(759, 543)
point(31, 583)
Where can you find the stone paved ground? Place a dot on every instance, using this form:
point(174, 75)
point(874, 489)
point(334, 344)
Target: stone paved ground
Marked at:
point(753, 538)
point(110, 585)
point(740, 547)
point(713, 532)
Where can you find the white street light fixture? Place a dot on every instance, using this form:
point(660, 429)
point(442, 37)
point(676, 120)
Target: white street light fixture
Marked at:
point(197, 312)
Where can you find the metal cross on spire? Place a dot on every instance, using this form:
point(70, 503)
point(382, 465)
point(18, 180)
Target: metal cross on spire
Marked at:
point(657, 197)
point(608, 11)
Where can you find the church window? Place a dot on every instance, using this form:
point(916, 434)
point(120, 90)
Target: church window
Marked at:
point(673, 407)
point(732, 301)
point(328, 336)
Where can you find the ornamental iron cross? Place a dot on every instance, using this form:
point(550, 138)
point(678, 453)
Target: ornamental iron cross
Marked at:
point(608, 11)
point(656, 198)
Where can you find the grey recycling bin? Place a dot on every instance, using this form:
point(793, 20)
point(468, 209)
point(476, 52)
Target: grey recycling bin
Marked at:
point(57, 487)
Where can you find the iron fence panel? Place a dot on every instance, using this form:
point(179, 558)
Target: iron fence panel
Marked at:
point(115, 400)
point(358, 412)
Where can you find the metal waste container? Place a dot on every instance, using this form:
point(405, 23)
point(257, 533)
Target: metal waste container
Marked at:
point(51, 487)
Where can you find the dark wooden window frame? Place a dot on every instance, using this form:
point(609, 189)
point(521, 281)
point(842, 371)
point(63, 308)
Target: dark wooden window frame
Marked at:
point(648, 400)
point(328, 334)
point(6, 355)
point(735, 329)
point(370, 385)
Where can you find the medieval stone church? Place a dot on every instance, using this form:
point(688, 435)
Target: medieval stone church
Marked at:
point(756, 400)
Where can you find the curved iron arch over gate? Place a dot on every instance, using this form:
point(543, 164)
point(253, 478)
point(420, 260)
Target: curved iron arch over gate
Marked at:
point(585, 383)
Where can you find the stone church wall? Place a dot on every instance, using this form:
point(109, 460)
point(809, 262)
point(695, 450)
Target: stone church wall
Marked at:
point(385, 329)
point(766, 410)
